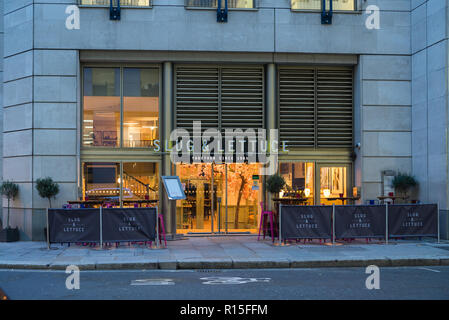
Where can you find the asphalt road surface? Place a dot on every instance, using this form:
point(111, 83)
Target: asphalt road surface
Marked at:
point(253, 284)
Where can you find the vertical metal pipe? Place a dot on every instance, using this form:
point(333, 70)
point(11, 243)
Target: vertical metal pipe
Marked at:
point(280, 224)
point(226, 205)
point(386, 223)
point(48, 233)
point(157, 228)
point(333, 223)
point(101, 226)
point(438, 220)
point(212, 198)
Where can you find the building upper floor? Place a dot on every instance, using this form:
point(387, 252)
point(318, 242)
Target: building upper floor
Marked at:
point(191, 25)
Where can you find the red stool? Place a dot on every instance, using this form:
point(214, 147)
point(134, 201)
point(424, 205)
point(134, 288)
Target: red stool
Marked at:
point(161, 228)
point(263, 223)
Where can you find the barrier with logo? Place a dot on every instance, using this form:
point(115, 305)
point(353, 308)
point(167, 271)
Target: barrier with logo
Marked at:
point(98, 225)
point(305, 222)
point(413, 220)
point(358, 221)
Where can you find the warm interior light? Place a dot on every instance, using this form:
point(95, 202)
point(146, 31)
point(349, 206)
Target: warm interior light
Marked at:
point(281, 193)
point(118, 180)
point(326, 193)
point(307, 192)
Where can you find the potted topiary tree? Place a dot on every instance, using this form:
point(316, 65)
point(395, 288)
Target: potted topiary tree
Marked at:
point(402, 183)
point(275, 184)
point(10, 190)
point(47, 188)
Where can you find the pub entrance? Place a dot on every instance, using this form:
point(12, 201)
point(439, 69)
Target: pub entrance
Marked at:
point(220, 198)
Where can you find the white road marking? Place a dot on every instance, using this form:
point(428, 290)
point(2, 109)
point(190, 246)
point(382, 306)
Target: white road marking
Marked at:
point(429, 269)
point(232, 280)
point(152, 282)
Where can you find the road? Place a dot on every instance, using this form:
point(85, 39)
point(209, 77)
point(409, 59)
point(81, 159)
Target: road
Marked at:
point(253, 284)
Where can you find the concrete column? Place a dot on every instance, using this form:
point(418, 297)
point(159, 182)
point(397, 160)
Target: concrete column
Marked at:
point(168, 207)
point(271, 112)
point(271, 106)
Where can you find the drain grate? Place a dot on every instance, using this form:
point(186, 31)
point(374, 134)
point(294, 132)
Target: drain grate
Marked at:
point(208, 271)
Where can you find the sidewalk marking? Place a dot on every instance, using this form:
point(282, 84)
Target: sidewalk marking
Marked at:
point(152, 282)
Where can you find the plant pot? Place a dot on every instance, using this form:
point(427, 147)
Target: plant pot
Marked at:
point(9, 235)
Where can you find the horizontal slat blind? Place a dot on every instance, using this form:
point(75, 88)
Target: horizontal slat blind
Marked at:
point(220, 97)
point(197, 97)
point(334, 105)
point(297, 107)
point(316, 107)
point(242, 98)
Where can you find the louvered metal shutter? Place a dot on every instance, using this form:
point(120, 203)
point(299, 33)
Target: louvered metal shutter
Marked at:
point(334, 107)
point(315, 107)
point(242, 98)
point(220, 97)
point(297, 107)
point(197, 97)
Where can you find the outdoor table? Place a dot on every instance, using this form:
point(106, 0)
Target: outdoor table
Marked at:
point(87, 202)
point(383, 198)
point(290, 200)
point(343, 199)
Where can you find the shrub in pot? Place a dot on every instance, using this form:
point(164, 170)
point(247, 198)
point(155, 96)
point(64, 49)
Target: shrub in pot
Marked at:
point(402, 183)
point(10, 190)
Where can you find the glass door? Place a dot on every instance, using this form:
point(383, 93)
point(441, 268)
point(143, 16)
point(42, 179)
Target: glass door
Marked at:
point(334, 181)
point(203, 185)
point(232, 205)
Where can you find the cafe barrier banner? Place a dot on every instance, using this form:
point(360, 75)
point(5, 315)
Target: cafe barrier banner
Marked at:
point(413, 220)
point(310, 222)
point(360, 221)
point(129, 224)
point(74, 225)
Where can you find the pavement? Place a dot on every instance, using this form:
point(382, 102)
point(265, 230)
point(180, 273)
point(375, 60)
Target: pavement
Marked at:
point(225, 252)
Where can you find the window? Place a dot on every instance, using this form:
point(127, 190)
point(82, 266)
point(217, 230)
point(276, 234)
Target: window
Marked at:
point(115, 117)
point(243, 4)
point(337, 5)
point(123, 3)
point(299, 180)
point(115, 182)
point(101, 121)
point(140, 107)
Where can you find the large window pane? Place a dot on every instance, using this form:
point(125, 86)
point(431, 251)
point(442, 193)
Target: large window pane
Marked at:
point(306, 4)
point(140, 107)
point(342, 5)
point(140, 181)
point(101, 102)
point(213, 3)
point(101, 181)
point(134, 3)
point(299, 180)
point(337, 5)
